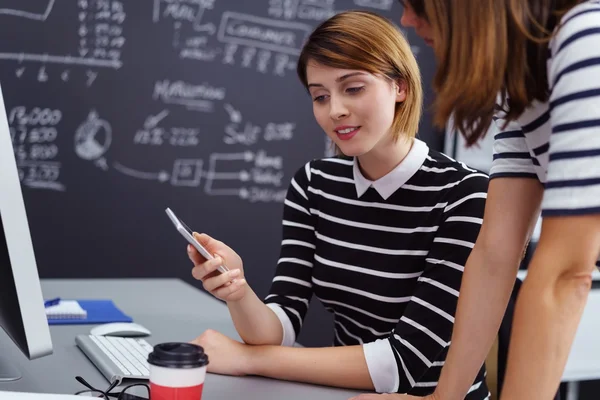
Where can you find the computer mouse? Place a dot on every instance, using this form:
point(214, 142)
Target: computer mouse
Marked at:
point(122, 329)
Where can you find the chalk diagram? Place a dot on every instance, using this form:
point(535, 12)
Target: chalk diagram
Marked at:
point(93, 137)
point(249, 175)
point(29, 9)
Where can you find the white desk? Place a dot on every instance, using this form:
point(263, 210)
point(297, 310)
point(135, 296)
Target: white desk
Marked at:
point(173, 311)
point(584, 359)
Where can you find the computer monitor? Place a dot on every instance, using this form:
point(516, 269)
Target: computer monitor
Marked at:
point(22, 312)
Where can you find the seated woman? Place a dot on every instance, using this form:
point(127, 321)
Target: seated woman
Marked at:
point(380, 234)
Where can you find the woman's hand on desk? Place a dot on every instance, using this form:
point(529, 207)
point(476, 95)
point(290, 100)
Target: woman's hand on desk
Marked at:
point(225, 355)
point(217, 284)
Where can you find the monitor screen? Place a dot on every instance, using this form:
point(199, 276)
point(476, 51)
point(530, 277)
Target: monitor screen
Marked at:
point(22, 313)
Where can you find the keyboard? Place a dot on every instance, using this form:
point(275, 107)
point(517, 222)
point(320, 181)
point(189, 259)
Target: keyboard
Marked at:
point(117, 358)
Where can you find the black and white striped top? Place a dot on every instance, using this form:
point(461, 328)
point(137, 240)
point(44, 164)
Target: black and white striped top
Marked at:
point(558, 142)
point(385, 257)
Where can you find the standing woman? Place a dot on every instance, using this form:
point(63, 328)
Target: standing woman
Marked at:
point(534, 64)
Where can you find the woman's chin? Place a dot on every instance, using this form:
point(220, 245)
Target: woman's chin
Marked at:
point(351, 150)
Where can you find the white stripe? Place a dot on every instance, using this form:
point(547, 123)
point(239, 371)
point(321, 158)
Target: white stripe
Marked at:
point(368, 328)
point(363, 225)
point(474, 220)
point(368, 271)
point(475, 387)
point(359, 340)
point(428, 157)
point(295, 261)
point(373, 204)
point(296, 206)
point(339, 161)
point(429, 188)
point(467, 168)
point(440, 285)
point(296, 313)
point(412, 348)
point(359, 310)
point(293, 242)
point(438, 363)
point(307, 171)
point(411, 381)
point(332, 177)
point(457, 242)
point(299, 189)
point(338, 338)
point(437, 170)
point(426, 384)
point(466, 198)
point(295, 298)
point(425, 330)
point(371, 249)
point(359, 292)
point(433, 308)
point(446, 263)
point(292, 280)
point(297, 225)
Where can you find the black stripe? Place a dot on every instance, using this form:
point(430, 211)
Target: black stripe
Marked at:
point(578, 35)
point(575, 96)
point(578, 14)
point(573, 183)
point(520, 156)
point(541, 149)
point(539, 121)
point(564, 155)
point(514, 175)
point(509, 134)
point(535, 161)
point(591, 123)
point(558, 212)
point(574, 67)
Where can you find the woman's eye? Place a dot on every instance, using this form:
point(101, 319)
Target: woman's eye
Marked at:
point(353, 90)
point(319, 99)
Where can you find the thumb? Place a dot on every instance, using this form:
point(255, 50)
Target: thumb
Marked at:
point(205, 240)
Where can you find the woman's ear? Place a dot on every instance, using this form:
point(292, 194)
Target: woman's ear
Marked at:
point(401, 88)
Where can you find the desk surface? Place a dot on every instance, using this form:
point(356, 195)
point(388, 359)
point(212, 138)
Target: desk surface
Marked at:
point(173, 311)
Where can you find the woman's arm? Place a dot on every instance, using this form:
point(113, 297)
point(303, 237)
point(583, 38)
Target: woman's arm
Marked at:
point(332, 366)
point(342, 366)
point(550, 305)
point(510, 215)
point(254, 321)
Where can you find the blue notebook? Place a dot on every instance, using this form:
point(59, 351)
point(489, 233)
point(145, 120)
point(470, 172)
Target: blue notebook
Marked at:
point(98, 312)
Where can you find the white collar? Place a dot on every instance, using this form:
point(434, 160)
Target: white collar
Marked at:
point(393, 180)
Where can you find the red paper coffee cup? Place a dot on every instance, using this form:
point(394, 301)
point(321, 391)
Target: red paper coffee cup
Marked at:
point(177, 371)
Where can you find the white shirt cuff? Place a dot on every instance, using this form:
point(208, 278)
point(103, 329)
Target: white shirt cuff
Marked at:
point(289, 334)
point(382, 365)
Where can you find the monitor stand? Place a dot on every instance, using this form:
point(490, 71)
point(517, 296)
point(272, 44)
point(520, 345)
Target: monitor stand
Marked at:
point(8, 371)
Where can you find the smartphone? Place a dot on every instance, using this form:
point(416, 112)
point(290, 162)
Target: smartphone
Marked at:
point(187, 233)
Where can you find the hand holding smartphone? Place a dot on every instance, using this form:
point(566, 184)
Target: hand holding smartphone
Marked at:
point(187, 233)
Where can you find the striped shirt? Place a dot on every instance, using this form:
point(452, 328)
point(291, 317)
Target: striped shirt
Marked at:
point(558, 142)
point(385, 258)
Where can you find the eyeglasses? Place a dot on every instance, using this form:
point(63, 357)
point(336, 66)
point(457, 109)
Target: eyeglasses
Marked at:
point(136, 391)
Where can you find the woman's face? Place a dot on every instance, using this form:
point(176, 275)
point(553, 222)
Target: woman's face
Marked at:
point(354, 108)
point(410, 19)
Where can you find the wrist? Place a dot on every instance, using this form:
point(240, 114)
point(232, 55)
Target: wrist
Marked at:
point(255, 356)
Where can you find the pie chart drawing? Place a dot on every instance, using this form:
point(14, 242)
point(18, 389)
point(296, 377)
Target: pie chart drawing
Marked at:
point(93, 137)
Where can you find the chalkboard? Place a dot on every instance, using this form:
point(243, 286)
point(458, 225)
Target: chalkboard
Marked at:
point(119, 109)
